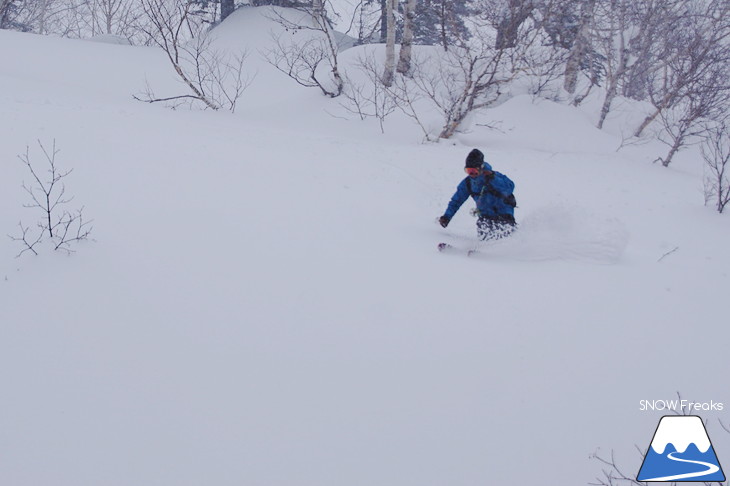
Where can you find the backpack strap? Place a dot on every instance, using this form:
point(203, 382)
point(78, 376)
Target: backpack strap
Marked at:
point(509, 200)
point(468, 186)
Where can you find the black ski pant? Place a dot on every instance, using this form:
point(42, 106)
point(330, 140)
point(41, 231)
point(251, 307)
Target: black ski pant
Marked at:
point(495, 228)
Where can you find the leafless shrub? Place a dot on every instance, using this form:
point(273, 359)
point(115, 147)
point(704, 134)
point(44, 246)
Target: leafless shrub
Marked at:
point(302, 61)
point(475, 73)
point(112, 16)
point(538, 67)
point(467, 78)
point(220, 77)
point(716, 153)
point(48, 195)
point(694, 57)
point(611, 473)
point(686, 122)
point(372, 99)
point(452, 83)
point(408, 96)
point(695, 79)
point(215, 79)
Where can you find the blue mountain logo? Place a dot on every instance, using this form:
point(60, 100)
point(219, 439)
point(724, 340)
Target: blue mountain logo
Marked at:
point(681, 451)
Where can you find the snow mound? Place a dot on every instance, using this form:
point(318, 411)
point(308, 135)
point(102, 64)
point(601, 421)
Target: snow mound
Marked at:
point(541, 125)
point(111, 39)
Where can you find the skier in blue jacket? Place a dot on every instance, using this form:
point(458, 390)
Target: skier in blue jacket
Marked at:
point(492, 191)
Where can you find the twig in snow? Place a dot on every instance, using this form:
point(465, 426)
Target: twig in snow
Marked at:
point(668, 253)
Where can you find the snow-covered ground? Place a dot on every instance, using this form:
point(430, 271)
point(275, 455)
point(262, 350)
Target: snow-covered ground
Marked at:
point(264, 304)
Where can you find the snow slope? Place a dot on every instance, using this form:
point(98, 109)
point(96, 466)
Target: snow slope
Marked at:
point(264, 305)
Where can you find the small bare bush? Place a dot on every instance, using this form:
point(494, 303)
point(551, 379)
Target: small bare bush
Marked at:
point(370, 99)
point(302, 61)
point(213, 78)
point(56, 223)
point(716, 152)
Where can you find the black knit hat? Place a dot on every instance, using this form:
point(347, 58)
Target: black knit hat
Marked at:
point(475, 159)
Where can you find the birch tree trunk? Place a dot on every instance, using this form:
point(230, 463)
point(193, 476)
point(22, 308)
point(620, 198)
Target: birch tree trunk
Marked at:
point(389, 71)
point(617, 48)
point(320, 18)
point(612, 89)
point(404, 60)
point(580, 46)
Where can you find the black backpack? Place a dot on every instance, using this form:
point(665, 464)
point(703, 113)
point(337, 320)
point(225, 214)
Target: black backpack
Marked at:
point(509, 200)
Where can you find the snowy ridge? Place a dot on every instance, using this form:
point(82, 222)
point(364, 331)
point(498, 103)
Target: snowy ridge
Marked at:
point(680, 431)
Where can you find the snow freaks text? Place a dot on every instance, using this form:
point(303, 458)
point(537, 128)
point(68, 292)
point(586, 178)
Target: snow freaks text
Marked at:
point(679, 405)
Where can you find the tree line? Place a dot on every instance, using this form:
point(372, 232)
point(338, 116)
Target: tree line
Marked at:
point(671, 55)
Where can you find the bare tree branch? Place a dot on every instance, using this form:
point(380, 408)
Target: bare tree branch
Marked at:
point(61, 226)
point(301, 61)
point(716, 153)
point(215, 79)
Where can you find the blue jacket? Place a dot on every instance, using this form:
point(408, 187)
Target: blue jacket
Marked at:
point(490, 199)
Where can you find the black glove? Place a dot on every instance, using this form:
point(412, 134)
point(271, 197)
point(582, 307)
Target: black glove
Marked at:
point(444, 221)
